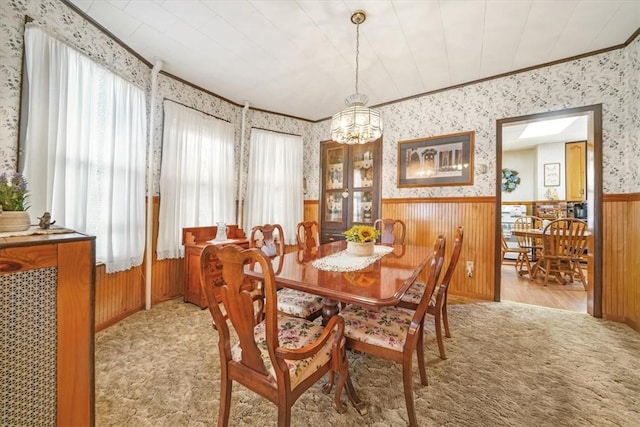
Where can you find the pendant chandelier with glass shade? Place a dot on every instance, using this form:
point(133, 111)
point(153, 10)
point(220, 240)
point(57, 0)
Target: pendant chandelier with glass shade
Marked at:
point(356, 124)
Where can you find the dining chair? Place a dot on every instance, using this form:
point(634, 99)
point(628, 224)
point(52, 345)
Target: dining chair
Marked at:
point(392, 231)
point(522, 254)
point(564, 243)
point(290, 301)
point(394, 333)
point(530, 243)
point(438, 304)
point(307, 235)
point(279, 357)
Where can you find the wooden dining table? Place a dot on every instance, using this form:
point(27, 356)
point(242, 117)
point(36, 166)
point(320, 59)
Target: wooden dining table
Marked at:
point(537, 236)
point(382, 283)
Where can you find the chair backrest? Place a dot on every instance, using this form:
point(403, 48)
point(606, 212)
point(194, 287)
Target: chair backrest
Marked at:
point(435, 267)
point(307, 235)
point(392, 231)
point(263, 237)
point(453, 261)
point(565, 238)
point(526, 223)
point(238, 299)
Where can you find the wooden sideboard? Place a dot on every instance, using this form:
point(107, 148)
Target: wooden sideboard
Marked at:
point(47, 283)
point(194, 240)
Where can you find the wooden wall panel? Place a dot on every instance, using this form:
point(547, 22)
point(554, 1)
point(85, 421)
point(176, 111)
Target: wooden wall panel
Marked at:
point(427, 218)
point(168, 274)
point(632, 310)
point(118, 295)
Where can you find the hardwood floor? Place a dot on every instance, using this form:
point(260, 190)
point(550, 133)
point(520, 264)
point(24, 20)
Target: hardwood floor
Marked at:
point(516, 288)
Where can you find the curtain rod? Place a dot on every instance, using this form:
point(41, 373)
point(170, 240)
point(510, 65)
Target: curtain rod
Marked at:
point(275, 131)
point(200, 111)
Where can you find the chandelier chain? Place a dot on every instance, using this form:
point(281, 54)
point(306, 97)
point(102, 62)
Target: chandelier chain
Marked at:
point(357, 53)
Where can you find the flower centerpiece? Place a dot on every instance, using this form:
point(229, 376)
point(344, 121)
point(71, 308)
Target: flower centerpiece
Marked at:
point(510, 180)
point(13, 202)
point(361, 240)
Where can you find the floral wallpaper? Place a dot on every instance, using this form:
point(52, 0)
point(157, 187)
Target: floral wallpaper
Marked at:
point(611, 78)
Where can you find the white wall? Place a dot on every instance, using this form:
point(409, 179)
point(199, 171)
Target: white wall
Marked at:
point(524, 162)
point(550, 153)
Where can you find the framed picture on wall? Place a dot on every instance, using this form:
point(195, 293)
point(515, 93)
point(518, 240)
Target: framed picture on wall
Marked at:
point(436, 161)
point(552, 174)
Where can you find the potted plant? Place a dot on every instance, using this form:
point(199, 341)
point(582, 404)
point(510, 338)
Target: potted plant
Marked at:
point(13, 203)
point(361, 240)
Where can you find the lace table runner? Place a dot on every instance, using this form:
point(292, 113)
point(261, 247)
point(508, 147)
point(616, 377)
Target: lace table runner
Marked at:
point(36, 230)
point(343, 261)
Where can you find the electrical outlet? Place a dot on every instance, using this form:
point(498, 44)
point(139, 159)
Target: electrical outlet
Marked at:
point(469, 268)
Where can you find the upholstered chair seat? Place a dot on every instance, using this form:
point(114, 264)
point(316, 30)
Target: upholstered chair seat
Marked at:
point(299, 304)
point(384, 328)
point(293, 333)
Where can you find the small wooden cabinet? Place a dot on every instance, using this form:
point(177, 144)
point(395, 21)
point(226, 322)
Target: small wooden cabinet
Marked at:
point(350, 187)
point(194, 240)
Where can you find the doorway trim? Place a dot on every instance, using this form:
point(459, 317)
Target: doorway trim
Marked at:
point(594, 294)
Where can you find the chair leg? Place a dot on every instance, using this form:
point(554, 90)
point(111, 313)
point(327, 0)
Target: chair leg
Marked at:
point(438, 326)
point(284, 414)
point(420, 356)
point(408, 393)
point(445, 318)
point(225, 399)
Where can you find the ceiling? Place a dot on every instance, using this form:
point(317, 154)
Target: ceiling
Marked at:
point(298, 57)
point(511, 134)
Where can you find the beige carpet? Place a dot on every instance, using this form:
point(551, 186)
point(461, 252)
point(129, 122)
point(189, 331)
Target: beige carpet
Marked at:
point(508, 365)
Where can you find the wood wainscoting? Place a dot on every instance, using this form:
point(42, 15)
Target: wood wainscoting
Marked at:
point(121, 294)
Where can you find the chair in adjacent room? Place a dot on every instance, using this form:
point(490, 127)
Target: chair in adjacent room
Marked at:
point(279, 357)
point(438, 304)
point(394, 333)
point(564, 243)
point(392, 231)
point(522, 254)
point(290, 301)
point(531, 244)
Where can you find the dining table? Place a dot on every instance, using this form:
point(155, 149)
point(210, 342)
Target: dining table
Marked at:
point(537, 236)
point(331, 272)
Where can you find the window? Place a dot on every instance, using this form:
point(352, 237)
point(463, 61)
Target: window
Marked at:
point(274, 182)
point(197, 175)
point(84, 148)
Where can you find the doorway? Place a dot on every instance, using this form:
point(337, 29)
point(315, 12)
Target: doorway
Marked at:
point(593, 116)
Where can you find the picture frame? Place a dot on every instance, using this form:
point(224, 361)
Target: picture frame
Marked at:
point(551, 174)
point(436, 161)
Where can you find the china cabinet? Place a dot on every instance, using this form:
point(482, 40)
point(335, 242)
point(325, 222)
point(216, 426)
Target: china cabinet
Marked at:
point(350, 187)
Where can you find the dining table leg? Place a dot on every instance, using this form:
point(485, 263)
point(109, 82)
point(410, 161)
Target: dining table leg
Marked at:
point(330, 308)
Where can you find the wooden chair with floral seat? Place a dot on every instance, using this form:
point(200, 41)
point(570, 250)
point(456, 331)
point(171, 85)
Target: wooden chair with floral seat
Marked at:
point(290, 301)
point(438, 304)
point(279, 357)
point(392, 231)
point(394, 333)
point(307, 235)
point(564, 242)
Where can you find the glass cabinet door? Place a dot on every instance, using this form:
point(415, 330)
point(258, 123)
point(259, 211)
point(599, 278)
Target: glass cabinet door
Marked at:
point(363, 207)
point(333, 207)
point(362, 160)
point(334, 173)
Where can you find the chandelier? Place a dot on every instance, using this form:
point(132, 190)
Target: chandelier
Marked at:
point(356, 124)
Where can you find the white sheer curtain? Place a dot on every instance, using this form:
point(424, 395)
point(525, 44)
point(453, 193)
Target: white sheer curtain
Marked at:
point(85, 148)
point(197, 175)
point(274, 182)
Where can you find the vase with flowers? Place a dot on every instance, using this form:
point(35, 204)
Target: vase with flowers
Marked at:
point(361, 240)
point(13, 203)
